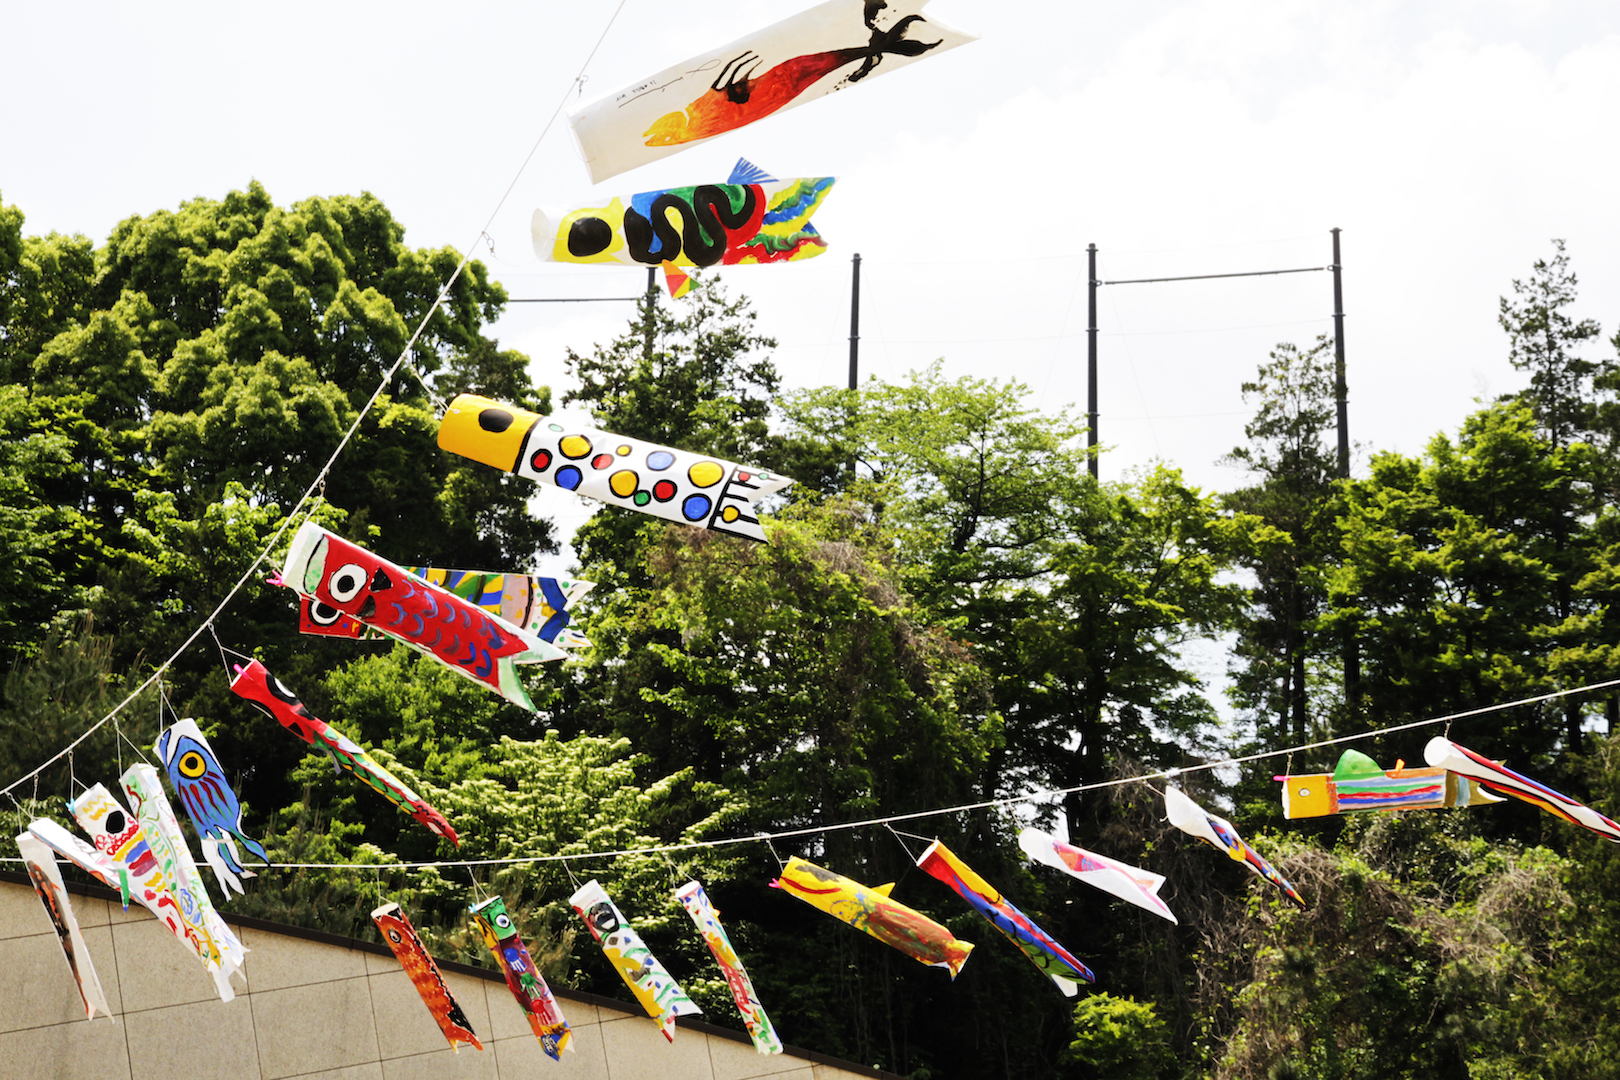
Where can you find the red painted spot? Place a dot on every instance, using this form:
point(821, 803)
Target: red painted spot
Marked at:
point(541, 461)
point(664, 490)
point(601, 461)
point(742, 475)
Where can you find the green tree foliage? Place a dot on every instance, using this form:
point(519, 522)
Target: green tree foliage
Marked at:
point(1295, 465)
point(1120, 1039)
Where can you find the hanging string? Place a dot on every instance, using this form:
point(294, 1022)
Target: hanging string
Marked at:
point(572, 880)
point(319, 483)
point(903, 845)
point(914, 836)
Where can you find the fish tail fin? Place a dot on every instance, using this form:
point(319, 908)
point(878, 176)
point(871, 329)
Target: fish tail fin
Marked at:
point(679, 282)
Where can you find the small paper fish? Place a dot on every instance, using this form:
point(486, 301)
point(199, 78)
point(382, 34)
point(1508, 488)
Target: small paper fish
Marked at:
point(205, 791)
point(53, 895)
point(1217, 832)
point(255, 685)
point(1444, 754)
point(1357, 784)
point(1055, 962)
point(696, 902)
point(656, 989)
point(401, 937)
point(528, 986)
point(871, 910)
point(1130, 883)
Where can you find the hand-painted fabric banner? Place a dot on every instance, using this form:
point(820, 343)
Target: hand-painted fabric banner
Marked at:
point(696, 902)
point(751, 218)
point(686, 488)
point(1044, 952)
point(1442, 753)
point(1194, 820)
point(465, 638)
point(871, 910)
point(1130, 883)
point(47, 879)
point(254, 684)
point(528, 986)
point(400, 936)
point(1357, 784)
point(200, 782)
point(538, 604)
point(799, 59)
point(98, 864)
point(156, 819)
point(657, 991)
point(153, 876)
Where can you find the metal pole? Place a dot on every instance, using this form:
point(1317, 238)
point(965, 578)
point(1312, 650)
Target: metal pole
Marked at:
point(1091, 358)
point(1341, 392)
point(855, 325)
point(651, 297)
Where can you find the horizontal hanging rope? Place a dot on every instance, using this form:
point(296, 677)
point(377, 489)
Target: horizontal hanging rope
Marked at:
point(1035, 796)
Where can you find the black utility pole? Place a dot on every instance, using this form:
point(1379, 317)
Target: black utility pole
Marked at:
point(647, 323)
point(1091, 357)
point(1341, 392)
point(855, 325)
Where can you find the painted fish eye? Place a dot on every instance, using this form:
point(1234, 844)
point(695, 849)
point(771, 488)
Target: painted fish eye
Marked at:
point(346, 582)
point(192, 765)
point(115, 822)
point(323, 614)
point(503, 921)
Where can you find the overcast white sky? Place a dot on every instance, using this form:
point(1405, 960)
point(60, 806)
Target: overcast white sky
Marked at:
point(1449, 139)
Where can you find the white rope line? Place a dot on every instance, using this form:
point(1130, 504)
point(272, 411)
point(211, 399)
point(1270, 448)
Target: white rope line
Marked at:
point(841, 826)
point(343, 443)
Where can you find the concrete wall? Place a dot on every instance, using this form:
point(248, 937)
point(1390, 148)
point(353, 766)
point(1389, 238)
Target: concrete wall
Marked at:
point(314, 1007)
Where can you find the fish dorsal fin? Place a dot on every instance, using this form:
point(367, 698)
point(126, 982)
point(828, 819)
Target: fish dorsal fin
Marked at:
point(885, 889)
point(746, 172)
point(1353, 764)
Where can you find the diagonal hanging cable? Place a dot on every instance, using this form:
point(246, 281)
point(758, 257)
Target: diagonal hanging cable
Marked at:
point(841, 826)
point(320, 478)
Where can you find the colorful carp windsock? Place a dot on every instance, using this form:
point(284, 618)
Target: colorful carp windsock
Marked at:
point(1044, 952)
point(1130, 883)
point(47, 879)
point(254, 684)
point(98, 864)
point(528, 986)
point(807, 56)
point(656, 989)
point(871, 910)
point(157, 820)
point(542, 605)
point(400, 936)
point(696, 902)
point(1357, 784)
point(1194, 820)
point(199, 780)
point(1442, 753)
point(687, 488)
point(154, 878)
point(751, 218)
point(464, 637)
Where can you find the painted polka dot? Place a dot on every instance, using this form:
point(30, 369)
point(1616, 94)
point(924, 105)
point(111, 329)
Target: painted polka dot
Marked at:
point(554, 427)
point(568, 477)
point(642, 498)
point(624, 483)
point(623, 450)
point(601, 461)
point(659, 460)
point(540, 460)
point(696, 507)
point(574, 447)
point(664, 490)
point(705, 474)
point(494, 420)
point(729, 514)
point(744, 477)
